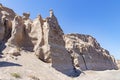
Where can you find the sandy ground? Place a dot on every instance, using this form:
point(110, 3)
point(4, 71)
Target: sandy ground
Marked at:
point(28, 67)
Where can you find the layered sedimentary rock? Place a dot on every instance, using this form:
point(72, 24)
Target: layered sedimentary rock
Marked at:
point(88, 54)
point(44, 37)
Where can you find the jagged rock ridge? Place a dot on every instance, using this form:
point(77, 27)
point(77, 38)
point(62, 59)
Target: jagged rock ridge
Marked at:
point(67, 53)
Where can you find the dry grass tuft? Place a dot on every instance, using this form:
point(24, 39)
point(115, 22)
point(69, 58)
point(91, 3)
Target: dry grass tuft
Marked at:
point(33, 77)
point(16, 75)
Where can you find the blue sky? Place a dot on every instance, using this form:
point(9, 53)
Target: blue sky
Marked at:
point(99, 18)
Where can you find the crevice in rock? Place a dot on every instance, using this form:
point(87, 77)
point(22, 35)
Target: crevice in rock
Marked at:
point(84, 61)
point(7, 33)
point(2, 46)
point(8, 30)
point(76, 72)
point(42, 40)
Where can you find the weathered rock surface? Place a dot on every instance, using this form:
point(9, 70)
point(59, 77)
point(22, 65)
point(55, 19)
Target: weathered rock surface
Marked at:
point(88, 54)
point(9, 13)
point(6, 17)
point(118, 63)
point(50, 44)
point(44, 37)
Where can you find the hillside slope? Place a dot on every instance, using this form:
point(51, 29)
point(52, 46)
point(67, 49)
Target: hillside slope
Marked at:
point(28, 67)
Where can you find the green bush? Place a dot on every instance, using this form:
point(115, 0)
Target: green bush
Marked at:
point(16, 75)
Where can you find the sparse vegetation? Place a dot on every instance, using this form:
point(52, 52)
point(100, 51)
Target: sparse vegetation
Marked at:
point(16, 75)
point(34, 77)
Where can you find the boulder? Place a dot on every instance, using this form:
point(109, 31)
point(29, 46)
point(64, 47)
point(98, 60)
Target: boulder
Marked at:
point(13, 51)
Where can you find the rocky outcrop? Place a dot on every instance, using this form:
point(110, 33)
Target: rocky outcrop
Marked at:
point(68, 54)
point(42, 36)
point(6, 17)
point(88, 54)
point(17, 35)
point(50, 44)
point(118, 63)
point(9, 13)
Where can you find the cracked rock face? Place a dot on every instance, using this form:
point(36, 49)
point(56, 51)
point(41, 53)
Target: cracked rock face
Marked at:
point(6, 16)
point(50, 44)
point(87, 53)
point(118, 63)
point(67, 53)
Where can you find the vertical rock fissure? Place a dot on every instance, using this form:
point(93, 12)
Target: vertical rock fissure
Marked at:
point(7, 34)
point(84, 61)
point(72, 59)
point(42, 30)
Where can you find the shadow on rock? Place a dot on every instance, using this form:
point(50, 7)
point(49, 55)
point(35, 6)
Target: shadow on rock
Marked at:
point(69, 72)
point(2, 46)
point(7, 64)
point(75, 73)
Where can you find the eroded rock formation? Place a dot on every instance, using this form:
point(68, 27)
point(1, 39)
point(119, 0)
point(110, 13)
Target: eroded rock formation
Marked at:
point(44, 37)
point(87, 53)
point(118, 63)
point(6, 17)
